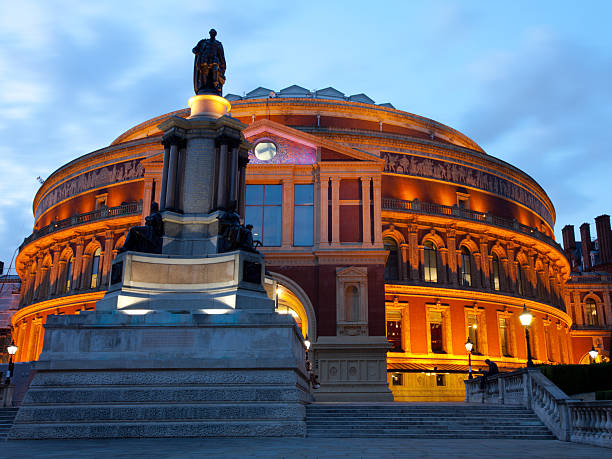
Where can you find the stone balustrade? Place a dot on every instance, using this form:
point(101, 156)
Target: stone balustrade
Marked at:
point(132, 208)
point(568, 419)
point(467, 214)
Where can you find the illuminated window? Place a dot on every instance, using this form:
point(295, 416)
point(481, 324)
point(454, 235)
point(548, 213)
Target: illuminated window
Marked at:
point(69, 273)
point(430, 262)
point(504, 336)
point(391, 268)
point(264, 212)
point(394, 335)
point(101, 200)
point(436, 332)
point(396, 379)
point(265, 151)
point(95, 268)
point(303, 215)
point(440, 380)
point(590, 312)
point(466, 268)
point(472, 323)
point(495, 272)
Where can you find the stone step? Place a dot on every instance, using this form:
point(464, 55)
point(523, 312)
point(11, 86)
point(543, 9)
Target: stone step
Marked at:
point(71, 396)
point(474, 435)
point(7, 415)
point(156, 429)
point(357, 425)
point(186, 412)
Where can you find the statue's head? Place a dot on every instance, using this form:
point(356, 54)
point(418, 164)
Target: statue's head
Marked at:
point(213, 33)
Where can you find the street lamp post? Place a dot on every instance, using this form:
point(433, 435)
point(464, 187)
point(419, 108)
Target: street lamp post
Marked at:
point(468, 348)
point(593, 353)
point(526, 317)
point(12, 349)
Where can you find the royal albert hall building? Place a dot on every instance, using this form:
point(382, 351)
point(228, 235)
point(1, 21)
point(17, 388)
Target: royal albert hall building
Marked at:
point(383, 232)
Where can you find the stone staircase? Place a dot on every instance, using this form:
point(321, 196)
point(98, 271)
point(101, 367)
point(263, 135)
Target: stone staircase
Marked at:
point(432, 420)
point(7, 415)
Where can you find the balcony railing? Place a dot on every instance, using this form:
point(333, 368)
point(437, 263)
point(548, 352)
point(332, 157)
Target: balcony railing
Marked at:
point(124, 210)
point(428, 208)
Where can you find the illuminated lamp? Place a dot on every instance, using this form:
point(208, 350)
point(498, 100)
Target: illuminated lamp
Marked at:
point(12, 350)
point(468, 347)
point(526, 317)
point(593, 353)
point(307, 343)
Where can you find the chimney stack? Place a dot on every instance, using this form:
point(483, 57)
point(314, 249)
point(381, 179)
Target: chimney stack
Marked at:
point(604, 237)
point(1, 268)
point(569, 238)
point(585, 238)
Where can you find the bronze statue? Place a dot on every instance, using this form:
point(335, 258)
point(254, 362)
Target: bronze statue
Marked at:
point(209, 66)
point(148, 238)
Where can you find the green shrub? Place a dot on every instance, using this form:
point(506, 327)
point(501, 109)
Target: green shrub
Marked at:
point(577, 379)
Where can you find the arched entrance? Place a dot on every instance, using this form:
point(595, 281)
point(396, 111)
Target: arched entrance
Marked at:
point(291, 299)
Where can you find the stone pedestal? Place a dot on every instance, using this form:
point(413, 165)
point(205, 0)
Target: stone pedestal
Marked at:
point(162, 374)
point(352, 369)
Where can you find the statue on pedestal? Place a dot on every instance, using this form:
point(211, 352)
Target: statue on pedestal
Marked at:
point(148, 238)
point(209, 66)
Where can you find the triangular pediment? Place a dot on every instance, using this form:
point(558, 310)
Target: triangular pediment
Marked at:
point(361, 98)
point(327, 150)
point(352, 272)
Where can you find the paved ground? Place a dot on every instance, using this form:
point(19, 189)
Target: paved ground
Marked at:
point(298, 448)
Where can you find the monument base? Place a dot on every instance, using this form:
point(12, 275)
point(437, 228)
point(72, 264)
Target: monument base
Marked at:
point(209, 106)
point(162, 374)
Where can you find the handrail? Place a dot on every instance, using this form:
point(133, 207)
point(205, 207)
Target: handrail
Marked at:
point(467, 214)
point(568, 419)
point(132, 208)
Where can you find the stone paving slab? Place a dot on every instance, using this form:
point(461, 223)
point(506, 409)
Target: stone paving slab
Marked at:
point(294, 448)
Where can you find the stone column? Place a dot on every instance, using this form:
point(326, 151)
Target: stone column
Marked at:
point(222, 178)
point(404, 271)
point(54, 275)
point(476, 281)
point(323, 211)
point(287, 215)
point(413, 257)
point(37, 277)
point(335, 181)
point(504, 275)
point(377, 185)
point(452, 257)
point(365, 203)
point(421, 268)
point(486, 264)
point(170, 200)
point(77, 264)
point(147, 198)
point(443, 268)
point(607, 306)
point(234, 175)
point(107, 257)
point(164, 182)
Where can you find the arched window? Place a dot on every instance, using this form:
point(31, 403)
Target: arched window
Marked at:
point(95, 268)
point(391, 268)
point(495, 272)
point(430, 262)
point(351, 304)
point(590, 312)
point(68, 272)
point(466, 267)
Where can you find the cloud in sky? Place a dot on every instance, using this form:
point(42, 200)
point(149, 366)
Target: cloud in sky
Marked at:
point(528, 81)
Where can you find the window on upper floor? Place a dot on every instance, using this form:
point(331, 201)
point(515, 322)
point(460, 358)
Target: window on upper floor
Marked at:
point(264, 211)
point(303, 215)
point(504, 336)
point(495, 273)
point(473, 332)
point(95, 269)
point(436, 330)
point(465, 276)
point(590, 312)
point(430, 262)
point(391, 268)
